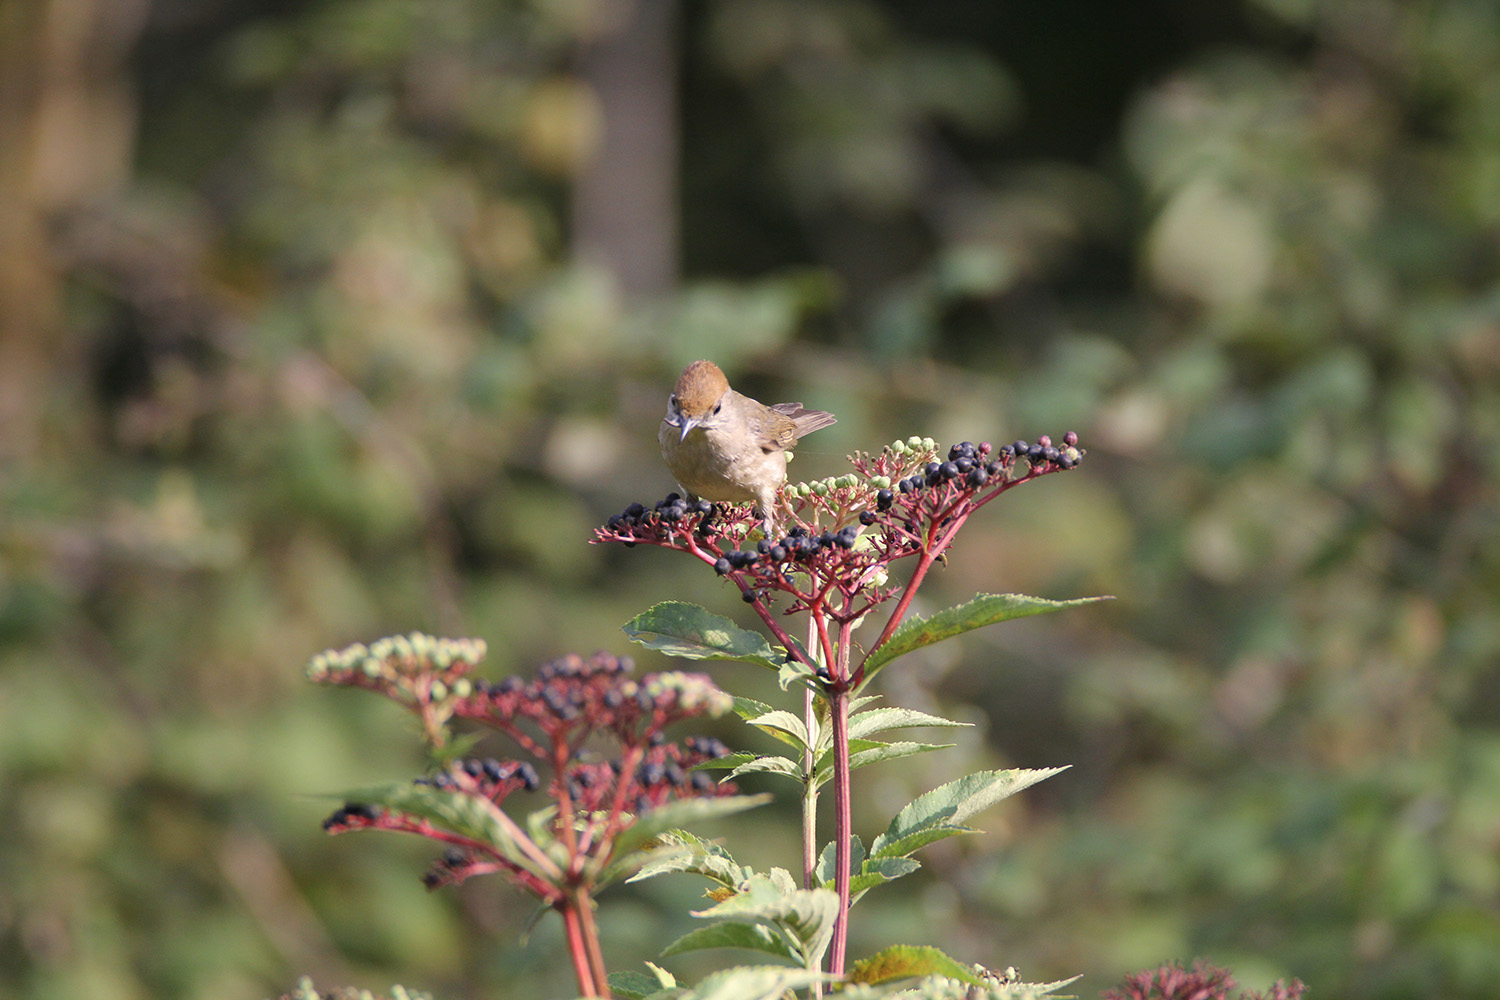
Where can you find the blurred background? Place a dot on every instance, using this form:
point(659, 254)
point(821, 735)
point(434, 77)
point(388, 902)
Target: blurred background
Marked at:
point(322, 320)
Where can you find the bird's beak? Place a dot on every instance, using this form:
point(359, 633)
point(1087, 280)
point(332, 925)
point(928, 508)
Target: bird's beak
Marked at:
point(688, 423)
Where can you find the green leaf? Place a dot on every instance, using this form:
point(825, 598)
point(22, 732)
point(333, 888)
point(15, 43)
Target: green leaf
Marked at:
point(751, 937)
point(985, 609)
point(755, 982)
point(727, 762)
point(469, 816)
point(769, 764)
point(698, 857)
point(878, 871)
point(864, 752)
point(747, 708)
point(878, 720)
point(633, 985)
point(693, 633)
point(905, 961)
point(903, 846)
point(947, 806)
point(784, 726)
point(824, 870)
point(805, 915)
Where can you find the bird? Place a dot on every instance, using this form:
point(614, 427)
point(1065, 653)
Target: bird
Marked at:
point(722, 445)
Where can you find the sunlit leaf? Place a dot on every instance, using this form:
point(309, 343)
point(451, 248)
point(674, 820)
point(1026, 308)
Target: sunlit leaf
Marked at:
point(904, 961)
point(947, 806)
point(678, 628)
point(986, 609)
point(751, 937)
point(876, 720)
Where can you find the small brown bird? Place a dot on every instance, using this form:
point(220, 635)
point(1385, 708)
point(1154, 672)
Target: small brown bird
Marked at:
point(724, 446)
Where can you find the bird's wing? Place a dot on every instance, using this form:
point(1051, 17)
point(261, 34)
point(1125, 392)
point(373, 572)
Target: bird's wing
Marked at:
point(775, 429)
point(805, 421)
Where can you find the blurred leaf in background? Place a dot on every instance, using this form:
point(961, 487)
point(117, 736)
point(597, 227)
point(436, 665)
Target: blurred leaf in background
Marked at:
point(327, 320)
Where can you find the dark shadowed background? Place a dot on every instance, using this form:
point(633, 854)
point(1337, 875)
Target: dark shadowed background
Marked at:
point(325, 320)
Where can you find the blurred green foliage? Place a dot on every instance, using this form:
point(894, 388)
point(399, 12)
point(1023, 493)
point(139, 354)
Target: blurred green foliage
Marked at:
point(294, 351)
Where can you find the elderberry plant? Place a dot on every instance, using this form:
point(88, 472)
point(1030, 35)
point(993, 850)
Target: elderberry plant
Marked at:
point(619, 793)
point(835, 566)
point(609, 804)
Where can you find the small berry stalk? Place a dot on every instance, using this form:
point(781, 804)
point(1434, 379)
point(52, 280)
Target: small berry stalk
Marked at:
point(834, 564)
point(615, 780)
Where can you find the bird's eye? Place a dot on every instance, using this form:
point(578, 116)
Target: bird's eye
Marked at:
point(716, 408)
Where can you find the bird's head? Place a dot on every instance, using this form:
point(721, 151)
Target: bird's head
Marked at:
point(698, 396)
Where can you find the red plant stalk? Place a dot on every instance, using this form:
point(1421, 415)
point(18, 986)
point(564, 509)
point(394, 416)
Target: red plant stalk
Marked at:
point(843, 823)
point(578, 946)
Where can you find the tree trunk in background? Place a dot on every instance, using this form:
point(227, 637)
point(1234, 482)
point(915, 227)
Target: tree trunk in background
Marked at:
point(67, 129)
point(625, 202)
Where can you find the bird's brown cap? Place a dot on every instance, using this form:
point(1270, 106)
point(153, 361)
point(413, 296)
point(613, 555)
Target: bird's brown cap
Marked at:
point(699, 387)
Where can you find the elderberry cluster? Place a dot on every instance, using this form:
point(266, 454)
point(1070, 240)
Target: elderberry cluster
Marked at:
point(571, 697)
point(664, 772)
point(352, 815)
point(494, 779)
point(971, 466)
point(669, 512)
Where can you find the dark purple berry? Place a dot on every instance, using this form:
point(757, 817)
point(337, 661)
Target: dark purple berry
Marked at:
point(721, 566)
point(883, 499)
point(867, 517)
point(1035, 453)
point(1019, 447)
point(749, 596)
point(964, 464)
point(1067, 461)
point(976, 477)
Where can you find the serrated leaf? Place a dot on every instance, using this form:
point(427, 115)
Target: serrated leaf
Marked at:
point(683, 812)
point(701, 857)
point(905, 961)
point(726, 762)
point(794, 671)
point(876, 720)
point(747, 708)
point(901, 847)
point(878, 871)
point(806, 915)
point(783, 725)
point(985, 609)
point(751, 937)
point(824, 869)
point(949, 805)
point(864, 752)
point(467, 815)
point(633, 985)
point(768, 764)
point(755, 982)
point(678, 628)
